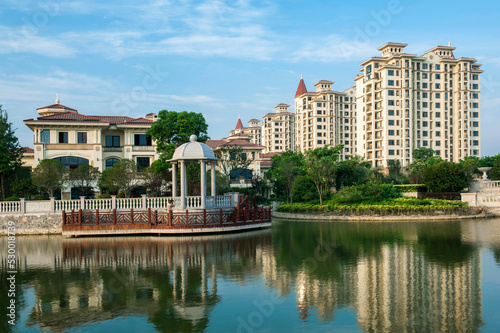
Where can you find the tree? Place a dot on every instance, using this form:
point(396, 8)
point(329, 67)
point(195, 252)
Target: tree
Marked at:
point(174, 128)
point(49, 175)
point(494, 173)
point(10, 150)
point(122, 176)
point(422, 153)
point(285, 170)
point(84, 178)
point(321, 166)
point(470, 165)
point(154, 180)
point(353, 171)
point(445, 177)
point(416, 170)
point(232, 158)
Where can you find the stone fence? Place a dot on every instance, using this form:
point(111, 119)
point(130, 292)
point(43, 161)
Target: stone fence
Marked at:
point(23, 206)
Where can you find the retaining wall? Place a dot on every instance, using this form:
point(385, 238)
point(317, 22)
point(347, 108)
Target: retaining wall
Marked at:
point(32, 224)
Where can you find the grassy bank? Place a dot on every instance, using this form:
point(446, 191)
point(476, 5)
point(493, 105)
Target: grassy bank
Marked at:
point(389, 207)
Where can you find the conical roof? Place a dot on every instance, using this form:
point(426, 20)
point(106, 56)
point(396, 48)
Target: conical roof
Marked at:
point(239, 124)
point(301, 89)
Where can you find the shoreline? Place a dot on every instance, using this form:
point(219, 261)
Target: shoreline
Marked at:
point(374, 218)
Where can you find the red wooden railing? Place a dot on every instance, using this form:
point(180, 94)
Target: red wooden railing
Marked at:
point(153, 219)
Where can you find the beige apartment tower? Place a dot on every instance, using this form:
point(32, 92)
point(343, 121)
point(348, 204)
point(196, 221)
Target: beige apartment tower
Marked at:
point(278, 130)
point(325, 117)
point(405, 102)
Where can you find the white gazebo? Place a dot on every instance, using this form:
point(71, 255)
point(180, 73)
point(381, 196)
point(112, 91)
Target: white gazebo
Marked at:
point(193, 151)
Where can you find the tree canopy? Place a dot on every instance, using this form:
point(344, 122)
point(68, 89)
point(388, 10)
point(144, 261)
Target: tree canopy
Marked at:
point(49, 175)
point(10, 150)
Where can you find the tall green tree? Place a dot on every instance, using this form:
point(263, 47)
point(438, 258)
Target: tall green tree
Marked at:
point(232, 158)
point(49, 175)
point(84, 178)
point(494, 173)
point(445, 177)
point(353, 171)
point(10, 150)
point(122, 176)
point(321, 165)
point(422, 153)
point(285, 170)
point(174, 128)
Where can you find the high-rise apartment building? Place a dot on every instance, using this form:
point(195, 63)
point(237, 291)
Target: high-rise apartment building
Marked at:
point(325, 117)
point(278, 130)
point(253, 131)
point(405, 101)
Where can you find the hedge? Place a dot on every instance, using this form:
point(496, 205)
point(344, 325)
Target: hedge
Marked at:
point(411, 188)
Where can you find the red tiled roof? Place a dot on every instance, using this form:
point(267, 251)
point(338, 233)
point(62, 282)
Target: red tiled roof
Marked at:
point(57, 106)
point(69, 116)
point(138, 121)
point(301, 89)
point(239, 124)
point(254, 120)
point(114, 120)
point(238, 143)
point(151, 114)
point(269, 155)
point(266, 164)
point(239, 134)
point(28, 150)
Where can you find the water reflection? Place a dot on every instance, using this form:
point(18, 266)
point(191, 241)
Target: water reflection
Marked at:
point(397, 277)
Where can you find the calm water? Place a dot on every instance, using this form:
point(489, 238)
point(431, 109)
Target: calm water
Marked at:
point(295, 277)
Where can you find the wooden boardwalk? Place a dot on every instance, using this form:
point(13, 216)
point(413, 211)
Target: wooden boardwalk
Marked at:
point(95, 223)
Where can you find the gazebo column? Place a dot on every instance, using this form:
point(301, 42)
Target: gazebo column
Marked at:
point(174, 180)
point(183, 185)
point(213, 179)
point(203, 187)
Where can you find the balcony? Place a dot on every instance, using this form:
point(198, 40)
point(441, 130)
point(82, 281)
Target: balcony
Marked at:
point(111, 148)
point(143, 148)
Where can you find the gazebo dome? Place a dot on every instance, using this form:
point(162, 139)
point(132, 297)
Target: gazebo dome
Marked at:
point(193, 150)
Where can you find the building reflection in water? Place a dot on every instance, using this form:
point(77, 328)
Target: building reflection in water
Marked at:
point(398, 277)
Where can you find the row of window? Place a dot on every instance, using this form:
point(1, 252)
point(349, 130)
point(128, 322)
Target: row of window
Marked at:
point(110, 140)
point(73, 162)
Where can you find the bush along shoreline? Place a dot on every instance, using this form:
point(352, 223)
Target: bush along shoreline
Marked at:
point(387, 207)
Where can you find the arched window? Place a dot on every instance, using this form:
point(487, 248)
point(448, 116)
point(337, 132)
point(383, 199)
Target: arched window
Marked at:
point(72, 162)
point(110, 162)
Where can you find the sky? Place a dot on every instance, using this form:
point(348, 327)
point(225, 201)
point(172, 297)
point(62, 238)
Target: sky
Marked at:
point(222, 58)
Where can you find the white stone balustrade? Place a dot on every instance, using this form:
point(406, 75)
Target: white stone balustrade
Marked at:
point(156, 203)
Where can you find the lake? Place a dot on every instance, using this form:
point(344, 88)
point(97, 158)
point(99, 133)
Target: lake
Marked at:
point(294, 277)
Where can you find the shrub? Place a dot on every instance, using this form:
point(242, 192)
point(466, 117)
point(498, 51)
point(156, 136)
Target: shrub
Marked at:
point(121, 194)
point(411, 188)
point(445, 177)
point(12, 198)
point(39, 197)
point(104, 196)
point(369, 191)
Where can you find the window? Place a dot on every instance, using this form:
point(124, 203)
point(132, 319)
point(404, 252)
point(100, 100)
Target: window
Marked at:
point(45, 136)
point(438, 133)
point(390, 112)
point(475, 105)
point(391, 102)
point(438, 85)
point(424, 75)
point(438, 114)
point(475, 86)
point(391, 151)
point(391, 122)
point(438, 124)
point(438, 152)
point(390, 82)
point(438, 67)
point(475, 133)
point(142, 140)
point(474, 77)
point(438, 95)
point(475, 124)
point(424, 104)
point(391, 142)
point(438, 143)
point(319, 142)
point(63, 137)
point(424, 95)
point(112, 141)
point(424, 85)
point(110, 162)
point(438, 105)
point(318, 104)
point(72, 162)
point(82, 137)
point(475, 143)
point(475, 95)
point(390, 72)
point(143, 163)
point(424, 124)
point(475, 114)
point(390, 92)
point(424, 143)
point(391, 132)
point(424, 133)
point(424, 66)
point(424, 114)
point(438, 76)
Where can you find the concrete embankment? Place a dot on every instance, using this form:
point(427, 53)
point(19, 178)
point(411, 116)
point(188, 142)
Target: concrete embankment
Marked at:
point(32, 224)
point(374, 218)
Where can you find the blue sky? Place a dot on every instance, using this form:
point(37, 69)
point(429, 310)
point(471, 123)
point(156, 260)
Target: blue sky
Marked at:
point(222, 58)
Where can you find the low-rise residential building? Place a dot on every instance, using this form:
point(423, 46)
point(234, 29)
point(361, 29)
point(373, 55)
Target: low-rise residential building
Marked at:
point(64, 134)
